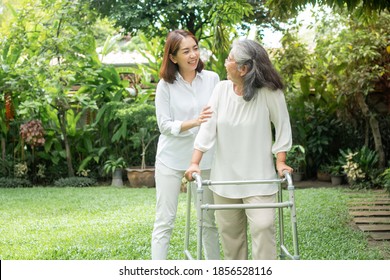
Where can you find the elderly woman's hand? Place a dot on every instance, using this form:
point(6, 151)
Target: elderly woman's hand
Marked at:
point(282, 166)
point(194, 168)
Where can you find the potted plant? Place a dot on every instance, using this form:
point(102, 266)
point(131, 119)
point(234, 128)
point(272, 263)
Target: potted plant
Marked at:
point(141, 120)
point(296, 158)
point(336, 174)
point(337, 171)
point(115, 167)
point(323, 172)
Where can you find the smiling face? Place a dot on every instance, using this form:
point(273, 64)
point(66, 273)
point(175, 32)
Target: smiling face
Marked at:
point(187, 56)
point(235, 72)
point(231, 67)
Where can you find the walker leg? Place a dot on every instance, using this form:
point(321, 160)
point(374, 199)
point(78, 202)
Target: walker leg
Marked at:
point(199, 212)
point(281, 223)
point(294, 223)
point(187, 254)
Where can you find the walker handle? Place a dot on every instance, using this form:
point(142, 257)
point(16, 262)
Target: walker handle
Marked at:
point(287, 175)
point(198, 179)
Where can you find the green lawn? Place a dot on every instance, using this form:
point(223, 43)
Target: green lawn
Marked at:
point(105, 223)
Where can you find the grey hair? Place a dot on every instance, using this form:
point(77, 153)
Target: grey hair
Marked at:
point(261, 72)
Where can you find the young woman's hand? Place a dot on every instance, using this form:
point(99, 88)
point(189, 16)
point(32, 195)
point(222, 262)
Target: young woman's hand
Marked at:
point(204, 115)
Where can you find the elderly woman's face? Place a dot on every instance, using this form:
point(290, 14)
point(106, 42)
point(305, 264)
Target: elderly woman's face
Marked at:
point(232, 71)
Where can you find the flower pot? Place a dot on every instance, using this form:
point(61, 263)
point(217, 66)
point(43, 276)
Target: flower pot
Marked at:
point(297, 176)
point(322, 176)
point(117, 179)
point(336, 180)
point(139, 178)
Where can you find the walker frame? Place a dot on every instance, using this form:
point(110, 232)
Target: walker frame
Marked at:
point(280, 205)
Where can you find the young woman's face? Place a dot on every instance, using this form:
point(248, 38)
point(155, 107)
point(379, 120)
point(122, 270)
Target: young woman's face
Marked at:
point(187, 57)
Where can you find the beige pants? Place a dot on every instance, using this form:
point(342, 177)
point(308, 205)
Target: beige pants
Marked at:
point(232, 225)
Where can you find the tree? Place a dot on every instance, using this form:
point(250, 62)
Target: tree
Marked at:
point(350, 61)
point(57, 51)
point(214, 23)
point(156, 18)
point(283, 9)
point(360, 66)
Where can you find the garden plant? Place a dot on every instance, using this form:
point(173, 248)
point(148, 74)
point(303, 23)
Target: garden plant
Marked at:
point(64, 115)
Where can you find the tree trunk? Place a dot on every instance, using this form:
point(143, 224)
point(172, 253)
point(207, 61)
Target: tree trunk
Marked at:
point(376, 133)
point(3, 148)
point(366, 132)
point(62, 119)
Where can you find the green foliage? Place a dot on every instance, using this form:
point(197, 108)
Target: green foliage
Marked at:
point(6, 167)
point(140, 120)
point(315, 126)
point(214, 23)
point(355, 65)
point(79, 182)
point(367, 159)
point(336, 165)
point(14, 183)
point(193, 15)
point(283, 9)
point(113, 164)
point(361, 167)
point(152, 50)
point(47, 47)
point(323, 86)
point(385, 179)
point(324, 168)
point(294, 59)
point(296, 158)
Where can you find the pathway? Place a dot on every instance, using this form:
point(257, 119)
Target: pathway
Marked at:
point(372, 215)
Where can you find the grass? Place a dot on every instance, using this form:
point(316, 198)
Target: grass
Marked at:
point(109, 223)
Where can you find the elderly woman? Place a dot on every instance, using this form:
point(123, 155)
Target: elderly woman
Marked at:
point(247, 109)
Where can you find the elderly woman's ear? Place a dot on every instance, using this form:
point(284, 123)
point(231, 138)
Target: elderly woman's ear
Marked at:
point(243, 70)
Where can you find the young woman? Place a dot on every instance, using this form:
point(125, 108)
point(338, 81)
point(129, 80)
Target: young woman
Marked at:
point(181, 98)
point(244, 109)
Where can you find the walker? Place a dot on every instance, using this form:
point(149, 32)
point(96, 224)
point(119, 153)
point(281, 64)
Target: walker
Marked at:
point(281, 204)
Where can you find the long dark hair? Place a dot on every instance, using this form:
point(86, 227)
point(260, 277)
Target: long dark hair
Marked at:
point(261, 72)
point(168, 68)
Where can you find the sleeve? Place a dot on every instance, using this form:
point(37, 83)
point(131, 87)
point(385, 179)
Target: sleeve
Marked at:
point(280, 118)
point(206, 137)
point(166, 124)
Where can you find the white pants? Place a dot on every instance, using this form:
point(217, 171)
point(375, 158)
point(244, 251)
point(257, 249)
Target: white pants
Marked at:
point(232, 225)
point(168, 183)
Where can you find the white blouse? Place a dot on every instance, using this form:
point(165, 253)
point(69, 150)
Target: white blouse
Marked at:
point(243, 134)
point(175, 103)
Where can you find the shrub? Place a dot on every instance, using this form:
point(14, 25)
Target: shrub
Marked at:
point(296, 158)
point(6, 166)
point(385, 179)
point(75, 182)
point(14, 183)
point(361, 167)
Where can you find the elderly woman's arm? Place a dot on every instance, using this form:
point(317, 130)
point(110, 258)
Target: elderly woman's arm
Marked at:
point(194, 166)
